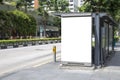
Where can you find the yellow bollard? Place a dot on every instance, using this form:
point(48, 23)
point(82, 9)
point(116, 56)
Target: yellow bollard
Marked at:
point(54, 53)
point(54, 49)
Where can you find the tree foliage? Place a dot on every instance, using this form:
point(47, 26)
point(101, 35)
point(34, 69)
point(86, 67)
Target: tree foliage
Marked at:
point(44, 14)
point(1, 1)
point(55, 5)
point(16, 23)
point(51, 5)
point(110, 6)
point(23, 3)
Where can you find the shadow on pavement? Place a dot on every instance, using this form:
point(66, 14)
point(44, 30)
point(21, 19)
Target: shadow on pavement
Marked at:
point(115, 59)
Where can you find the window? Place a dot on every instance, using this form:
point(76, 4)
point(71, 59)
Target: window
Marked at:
point(81, 0)
point(71, 8)
point(71, 0)
point(71, 5)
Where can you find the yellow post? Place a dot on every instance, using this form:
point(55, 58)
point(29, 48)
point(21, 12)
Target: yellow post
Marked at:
point(54, 53)
point(54, 49)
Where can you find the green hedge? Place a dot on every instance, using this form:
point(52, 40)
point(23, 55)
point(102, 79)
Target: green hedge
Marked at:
point(16, 23)
point(26, 40)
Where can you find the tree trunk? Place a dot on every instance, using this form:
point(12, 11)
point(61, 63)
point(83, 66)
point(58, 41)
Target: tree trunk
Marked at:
point(25, 4)
point(25, 8)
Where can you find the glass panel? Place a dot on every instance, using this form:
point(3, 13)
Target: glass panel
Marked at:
point(110, 38)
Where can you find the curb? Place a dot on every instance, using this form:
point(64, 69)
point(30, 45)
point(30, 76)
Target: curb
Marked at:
point(28, 44)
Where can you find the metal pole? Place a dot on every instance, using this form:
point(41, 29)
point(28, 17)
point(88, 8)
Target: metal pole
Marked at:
point(97, 41)
point(113, 40)
point(102, 35)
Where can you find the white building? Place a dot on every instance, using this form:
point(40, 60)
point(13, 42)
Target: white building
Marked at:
point(80, 3)
point(34, 5)
point(74, 4)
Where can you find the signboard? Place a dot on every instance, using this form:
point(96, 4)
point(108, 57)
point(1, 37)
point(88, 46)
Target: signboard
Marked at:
point(41, 29)
point(76, 39)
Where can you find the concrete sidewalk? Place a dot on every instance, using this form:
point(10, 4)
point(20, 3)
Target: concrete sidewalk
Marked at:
point(53, 71)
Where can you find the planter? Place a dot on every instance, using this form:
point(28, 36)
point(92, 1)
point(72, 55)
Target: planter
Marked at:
point(25, 45)
point(8, 47)
point(36, 43)
point(59, 41)
point(20, 45)
point(51, 41)
point(56, 41)
point(40, 43)
point(15, 46)
point(4, 47)
point(29, 44)
point(10, 44)
point(33, 43)
point(46, 42)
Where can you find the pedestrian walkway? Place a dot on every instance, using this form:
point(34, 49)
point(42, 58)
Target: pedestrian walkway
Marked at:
point(53, 71)
point(114, 62)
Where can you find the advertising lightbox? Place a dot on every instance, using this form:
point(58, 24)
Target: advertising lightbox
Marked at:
point(76, 39)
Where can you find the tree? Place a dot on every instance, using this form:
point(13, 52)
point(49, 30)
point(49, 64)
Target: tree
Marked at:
point(51, 5)
point(118, 15)
point(58, 5)
point(1, 1)
point(25, 3)
point(110, 6)
point(63, 4)
point(32, 26)
point(26, 24)
point(3, 24)
point(44, 14)
point(16, 23)
point(57, 22)
point(85, 8)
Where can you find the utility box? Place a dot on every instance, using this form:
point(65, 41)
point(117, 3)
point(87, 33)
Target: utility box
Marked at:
point(87, 38)
point(76, 38)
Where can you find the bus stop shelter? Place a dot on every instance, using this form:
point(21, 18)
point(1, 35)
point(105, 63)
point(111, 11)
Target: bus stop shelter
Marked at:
point(87, 38)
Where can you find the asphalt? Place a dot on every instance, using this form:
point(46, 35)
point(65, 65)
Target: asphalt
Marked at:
point(20, 58)
point(53, 71)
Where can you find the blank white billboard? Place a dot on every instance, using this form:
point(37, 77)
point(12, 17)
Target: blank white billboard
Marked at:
point(76, 39)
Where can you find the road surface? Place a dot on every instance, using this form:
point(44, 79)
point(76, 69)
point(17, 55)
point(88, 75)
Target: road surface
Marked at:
point(26, 57)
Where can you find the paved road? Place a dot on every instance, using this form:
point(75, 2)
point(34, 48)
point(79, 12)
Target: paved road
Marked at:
point(25, 57)
point(53, 71)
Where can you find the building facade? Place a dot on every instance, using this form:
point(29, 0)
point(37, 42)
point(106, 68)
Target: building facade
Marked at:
point(35, 4)
point(74, 4)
